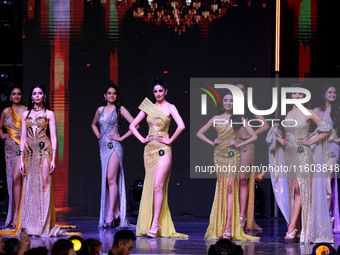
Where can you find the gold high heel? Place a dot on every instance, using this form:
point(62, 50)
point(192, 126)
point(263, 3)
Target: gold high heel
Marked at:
point(227, 234)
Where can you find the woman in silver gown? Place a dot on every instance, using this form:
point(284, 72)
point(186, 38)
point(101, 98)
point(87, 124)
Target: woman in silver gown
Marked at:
point(302, 198)
point(113, 197)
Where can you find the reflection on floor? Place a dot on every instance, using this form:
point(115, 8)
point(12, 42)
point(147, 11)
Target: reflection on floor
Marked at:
point(271, 242)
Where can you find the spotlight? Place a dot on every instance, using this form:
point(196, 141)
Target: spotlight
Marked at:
point(77, 242)
point(323, 249)
point(225, 247)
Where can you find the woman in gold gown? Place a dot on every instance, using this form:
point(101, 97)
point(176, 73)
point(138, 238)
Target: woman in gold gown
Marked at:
point(154, 217)
point(11, 120)
point(37, 163)
point(247, 180)
point(225, 212)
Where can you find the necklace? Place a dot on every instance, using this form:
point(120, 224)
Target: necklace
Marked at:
point(38, 108)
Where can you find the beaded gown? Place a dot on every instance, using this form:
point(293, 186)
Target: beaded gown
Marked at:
point(333, 151)
point(37, 208)
point(109, 125)
point(36, 211)
point(154, 151)
point(315, 223)
point(226, 156)
point(12, 123)
point(249, 151)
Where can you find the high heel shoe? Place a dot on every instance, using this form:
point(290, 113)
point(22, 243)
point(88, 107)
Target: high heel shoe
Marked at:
point(153, 234)
point(116, 222)
point(243, 221)
point(109, 224)
point(290, 237)
point(227, 234)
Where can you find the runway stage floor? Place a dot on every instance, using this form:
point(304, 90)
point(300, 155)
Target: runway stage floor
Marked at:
point(271, 242)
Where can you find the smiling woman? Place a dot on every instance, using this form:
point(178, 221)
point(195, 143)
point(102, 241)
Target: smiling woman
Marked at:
point(225, 220)
point(113, 197)
point(11, 120)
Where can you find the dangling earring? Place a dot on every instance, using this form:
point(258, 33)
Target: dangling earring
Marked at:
point(105, 99)
point(32, 101)
point(45, 100)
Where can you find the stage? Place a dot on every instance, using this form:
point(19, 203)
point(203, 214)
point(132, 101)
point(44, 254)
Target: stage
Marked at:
point(272, 241)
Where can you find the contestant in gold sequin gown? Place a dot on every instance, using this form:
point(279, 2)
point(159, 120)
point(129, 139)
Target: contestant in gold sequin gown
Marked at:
point(227, 154)
point(37, 163)
point(156, 150)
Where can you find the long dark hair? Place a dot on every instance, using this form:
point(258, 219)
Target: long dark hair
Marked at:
point(17, 87)
point(234, 118)
point(335, 112)
point(118, 103)
point(45, 101)
point(159, 82)
point(289, 107)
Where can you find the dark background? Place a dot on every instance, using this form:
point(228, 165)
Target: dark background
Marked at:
point(240, 44)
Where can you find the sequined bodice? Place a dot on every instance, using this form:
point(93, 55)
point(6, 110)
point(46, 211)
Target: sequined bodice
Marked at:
point(36, 128)
point(299, 131)
point(8, 123)
point(159, 125)
point(108, 124)
point(226, 133)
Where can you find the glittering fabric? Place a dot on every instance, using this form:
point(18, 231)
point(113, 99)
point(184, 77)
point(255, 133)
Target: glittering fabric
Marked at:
point(153, 152)
point(313, 228)
point(38, 215)
point(249, 153)
point(218, 215)
point(107, 147)
point(333, 151)
point(11, 154)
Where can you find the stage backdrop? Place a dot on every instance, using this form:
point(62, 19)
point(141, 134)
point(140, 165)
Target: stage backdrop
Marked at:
point(75, 48)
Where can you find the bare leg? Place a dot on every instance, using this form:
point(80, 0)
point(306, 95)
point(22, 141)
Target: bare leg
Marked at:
point(17, 188)
point(162, 173)
point(112, 174)
point(296, 208)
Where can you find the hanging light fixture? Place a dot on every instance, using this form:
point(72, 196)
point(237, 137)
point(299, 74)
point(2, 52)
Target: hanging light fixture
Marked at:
point(179, 14)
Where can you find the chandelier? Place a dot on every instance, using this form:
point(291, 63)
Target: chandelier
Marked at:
point(179, 14)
